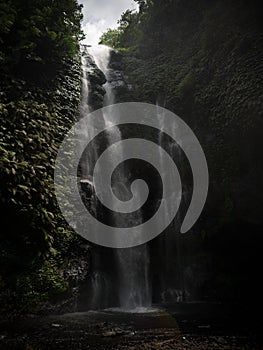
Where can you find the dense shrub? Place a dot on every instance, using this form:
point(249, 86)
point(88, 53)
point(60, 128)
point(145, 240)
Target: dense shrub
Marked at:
point(40, 87)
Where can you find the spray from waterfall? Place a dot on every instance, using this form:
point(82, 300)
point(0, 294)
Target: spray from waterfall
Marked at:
point(171, 285)
point(132, 264)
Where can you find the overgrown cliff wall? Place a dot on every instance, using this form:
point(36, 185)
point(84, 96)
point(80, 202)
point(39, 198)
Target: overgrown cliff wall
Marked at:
point(203, 60)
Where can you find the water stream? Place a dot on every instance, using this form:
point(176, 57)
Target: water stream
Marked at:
point(131, 264)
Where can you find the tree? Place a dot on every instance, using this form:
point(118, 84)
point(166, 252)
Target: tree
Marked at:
point(111, 38)
point(122, 36)
point(38, 34)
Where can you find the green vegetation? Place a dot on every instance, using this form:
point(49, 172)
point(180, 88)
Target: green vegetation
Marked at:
point(203, 60)
point(126, 31)
point(111, 38)
point(40, 87)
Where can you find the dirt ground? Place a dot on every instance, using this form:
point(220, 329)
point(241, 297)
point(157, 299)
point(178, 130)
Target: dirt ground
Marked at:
point(110, 330)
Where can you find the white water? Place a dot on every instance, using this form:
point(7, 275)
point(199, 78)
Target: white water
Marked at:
point(170, 246)
point(134, 290)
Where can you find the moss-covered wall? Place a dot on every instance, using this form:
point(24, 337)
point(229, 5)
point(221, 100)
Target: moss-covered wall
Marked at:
point(39, 102)
point(203, 60)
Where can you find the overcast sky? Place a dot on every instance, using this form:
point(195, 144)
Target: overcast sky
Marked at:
point(99, 15)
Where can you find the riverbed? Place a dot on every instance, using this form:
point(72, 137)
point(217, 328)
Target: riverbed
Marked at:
point(180, 326)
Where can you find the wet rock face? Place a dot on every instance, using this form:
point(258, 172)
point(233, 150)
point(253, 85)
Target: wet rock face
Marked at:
point(96, 79)
point(116, 78)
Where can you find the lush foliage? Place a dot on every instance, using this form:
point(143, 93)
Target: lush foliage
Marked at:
point(126, 31)
point(111, 38)
point(203, 60)
point(37, 36)
point(40, 77)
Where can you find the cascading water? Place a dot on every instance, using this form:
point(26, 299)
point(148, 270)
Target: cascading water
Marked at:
point(132, 264)
point(171, 283)
point(99, 283)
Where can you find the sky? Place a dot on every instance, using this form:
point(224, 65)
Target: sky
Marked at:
point(99, 15)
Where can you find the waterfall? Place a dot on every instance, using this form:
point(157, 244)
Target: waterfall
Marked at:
point(171, 283)
point(131, 264)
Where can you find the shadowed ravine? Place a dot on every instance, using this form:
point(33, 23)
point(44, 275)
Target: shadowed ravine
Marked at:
point(140, 226)
point(123, 315)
